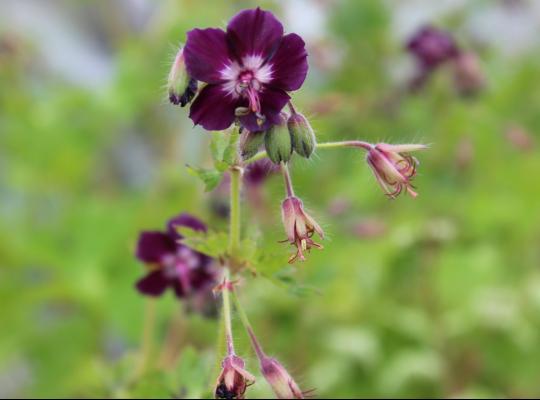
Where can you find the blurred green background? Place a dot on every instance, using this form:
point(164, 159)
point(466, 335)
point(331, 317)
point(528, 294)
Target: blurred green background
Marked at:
point(438, 296)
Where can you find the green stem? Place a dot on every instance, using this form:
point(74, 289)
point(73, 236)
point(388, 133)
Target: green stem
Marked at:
point(227, 313)
point(287, 177)
point(234, 228)
point(247, 325)
point(320, 146)
point(147, 341)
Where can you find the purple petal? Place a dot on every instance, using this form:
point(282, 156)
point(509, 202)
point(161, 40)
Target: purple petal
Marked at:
point(153, 245)
point(186, 220)
point(272, 102)
point(203, 278)
point(213, 109)
point(178, 289)
point(256, 172)
point(289, 64)
point(253, 32)
point(206, 54)
point(153, 284)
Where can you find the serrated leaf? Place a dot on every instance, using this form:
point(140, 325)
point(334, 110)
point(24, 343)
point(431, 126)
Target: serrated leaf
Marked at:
point(210, 177)
point(218, 143)
point(231, 151)
point(213, 244)
point(223, 147)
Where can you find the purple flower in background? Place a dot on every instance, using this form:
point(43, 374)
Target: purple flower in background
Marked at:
point(257, 172)
point(432, 47)
point(249, 68)
point(173, 264)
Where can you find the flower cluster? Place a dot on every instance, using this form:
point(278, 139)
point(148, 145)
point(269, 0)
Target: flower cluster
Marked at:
point(243, 76)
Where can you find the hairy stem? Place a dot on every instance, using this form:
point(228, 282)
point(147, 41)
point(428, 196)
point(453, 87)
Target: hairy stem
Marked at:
point(147, 340)
point(234, 227)
point(247, 325)
point(227, 314)
point(287, 178)
point(320, 146)
point(291, 107)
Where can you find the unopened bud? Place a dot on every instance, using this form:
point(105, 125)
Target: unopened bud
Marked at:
point(278, 142)
point(182, 88)
point(302, 135)
point(250, 143)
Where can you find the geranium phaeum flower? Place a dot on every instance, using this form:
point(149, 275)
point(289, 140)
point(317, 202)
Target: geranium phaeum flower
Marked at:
point(172, 264)
point(249, 68)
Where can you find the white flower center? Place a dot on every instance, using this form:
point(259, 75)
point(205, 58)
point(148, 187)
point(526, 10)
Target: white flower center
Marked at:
point(246, 80)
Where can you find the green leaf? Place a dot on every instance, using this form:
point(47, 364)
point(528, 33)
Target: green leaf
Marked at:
point(210, 177)
point(213, 244)
point(223, 147)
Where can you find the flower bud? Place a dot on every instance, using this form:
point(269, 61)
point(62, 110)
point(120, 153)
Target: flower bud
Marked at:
point(182, 88)
point(278, 142)
point(250, 143)
point(279, 379)
point(302, 135)
point(233, 379)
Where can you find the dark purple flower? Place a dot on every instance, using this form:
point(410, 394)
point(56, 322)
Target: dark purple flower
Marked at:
point(432, 47)
point(249, 68)
point(172, 264)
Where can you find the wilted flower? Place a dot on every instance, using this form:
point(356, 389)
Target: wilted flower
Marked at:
point(182, 88)
point(281, 382)
point(173, 264)
point(233, 379)
point(249, 68)
point(299, 227)
point(393, 167)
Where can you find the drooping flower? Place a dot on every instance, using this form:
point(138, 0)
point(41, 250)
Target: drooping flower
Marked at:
point(393, 167)
point(249, 68)
point(281, 382)
point(279, 379)
point(299, 227)
point(172, 264)
point(233, 379)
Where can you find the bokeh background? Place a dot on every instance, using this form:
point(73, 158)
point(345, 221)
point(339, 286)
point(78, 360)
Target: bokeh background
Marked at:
point(438, 296)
